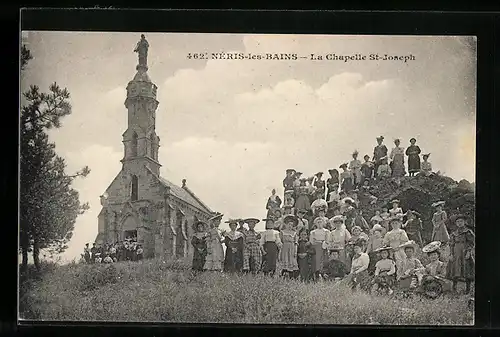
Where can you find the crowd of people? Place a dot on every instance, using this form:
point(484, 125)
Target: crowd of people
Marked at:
point(318, 232)
point(127, 250)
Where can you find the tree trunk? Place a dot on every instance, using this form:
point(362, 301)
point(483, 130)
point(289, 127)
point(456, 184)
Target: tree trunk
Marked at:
point(24, 242)
point(36, 254)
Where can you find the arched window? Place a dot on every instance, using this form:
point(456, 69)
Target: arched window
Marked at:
point(135, 188)
point(134, 144)
point(152, 141)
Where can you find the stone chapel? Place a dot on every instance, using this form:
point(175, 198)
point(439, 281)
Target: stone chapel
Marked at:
point(139, 202)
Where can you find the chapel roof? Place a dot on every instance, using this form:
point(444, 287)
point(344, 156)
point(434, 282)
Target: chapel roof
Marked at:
point(183, 193)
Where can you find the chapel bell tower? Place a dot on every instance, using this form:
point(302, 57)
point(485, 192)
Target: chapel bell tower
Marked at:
point(140, 141)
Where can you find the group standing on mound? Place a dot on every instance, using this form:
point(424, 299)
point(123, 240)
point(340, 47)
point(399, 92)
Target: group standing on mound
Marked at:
point(317, 230)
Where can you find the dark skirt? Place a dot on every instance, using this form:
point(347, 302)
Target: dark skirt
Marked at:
point(269, 259)
point(198, 260)
point(347, 185)
point(305, 267)
point(413, 163)
point(233, 262)
point(374, 258)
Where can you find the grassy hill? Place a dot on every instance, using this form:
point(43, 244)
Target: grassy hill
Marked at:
point(168, 291)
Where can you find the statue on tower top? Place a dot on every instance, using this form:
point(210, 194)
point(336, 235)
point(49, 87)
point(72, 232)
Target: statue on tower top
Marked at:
point(142, 49)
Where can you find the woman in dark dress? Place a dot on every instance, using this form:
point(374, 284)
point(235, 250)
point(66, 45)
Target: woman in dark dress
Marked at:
point(233, 261)
point(199, 242)
point(413, 153)
point(462, 260)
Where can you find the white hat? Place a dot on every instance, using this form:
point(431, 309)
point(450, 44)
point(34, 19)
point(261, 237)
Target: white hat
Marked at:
point(438, 203)
point(409, 244)
point(431, 247)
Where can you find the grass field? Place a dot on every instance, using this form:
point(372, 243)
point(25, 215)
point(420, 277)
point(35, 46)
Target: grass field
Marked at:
point(152, 291)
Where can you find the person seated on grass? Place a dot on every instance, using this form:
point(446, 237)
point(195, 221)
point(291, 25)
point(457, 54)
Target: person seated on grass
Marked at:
point(358, 277)
point(434, 281)
point(411, 271)
point(334, 268)
point(98, 258)
point(385, 270)
point(305, 256)
point(108, 259)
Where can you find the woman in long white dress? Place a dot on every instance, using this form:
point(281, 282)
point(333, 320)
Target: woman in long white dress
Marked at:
point(215, 253)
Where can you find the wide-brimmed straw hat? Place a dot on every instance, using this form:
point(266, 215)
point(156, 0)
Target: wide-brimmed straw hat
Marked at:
point(386, 247)
point(290, 170)
point(380, 137)
point(432, 247)
point(251, 220)
point(377, 227)
point(409, 244)
point(355, 152)
point(343, 165)
point(288, 192)
point(438, 203)
point(426, 155)
point(290, 217)
point(332, 170)
point(395, 201)
point(338, 218)
point(455, 217)
point(216, 216)
point(319, 173)
point(198, 223)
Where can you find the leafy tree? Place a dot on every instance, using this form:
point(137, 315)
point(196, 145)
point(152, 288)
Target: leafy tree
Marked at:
point(49, 205)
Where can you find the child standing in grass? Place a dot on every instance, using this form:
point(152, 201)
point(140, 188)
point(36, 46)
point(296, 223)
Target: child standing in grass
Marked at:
point(411, 271)
point(385, 270)
point(334, 268)
point(358, 276)
point(305, 256)
point(434, 281)
point(288, 252)
point(270, 244)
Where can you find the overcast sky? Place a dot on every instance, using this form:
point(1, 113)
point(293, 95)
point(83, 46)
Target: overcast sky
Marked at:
point(231, 128)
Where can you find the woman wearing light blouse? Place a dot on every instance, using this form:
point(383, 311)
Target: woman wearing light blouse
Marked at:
point(339, 236)
point(359, 266)
point(319, 238)
point(270, 244)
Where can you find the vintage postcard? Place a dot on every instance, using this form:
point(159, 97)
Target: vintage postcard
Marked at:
point(239, 178)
